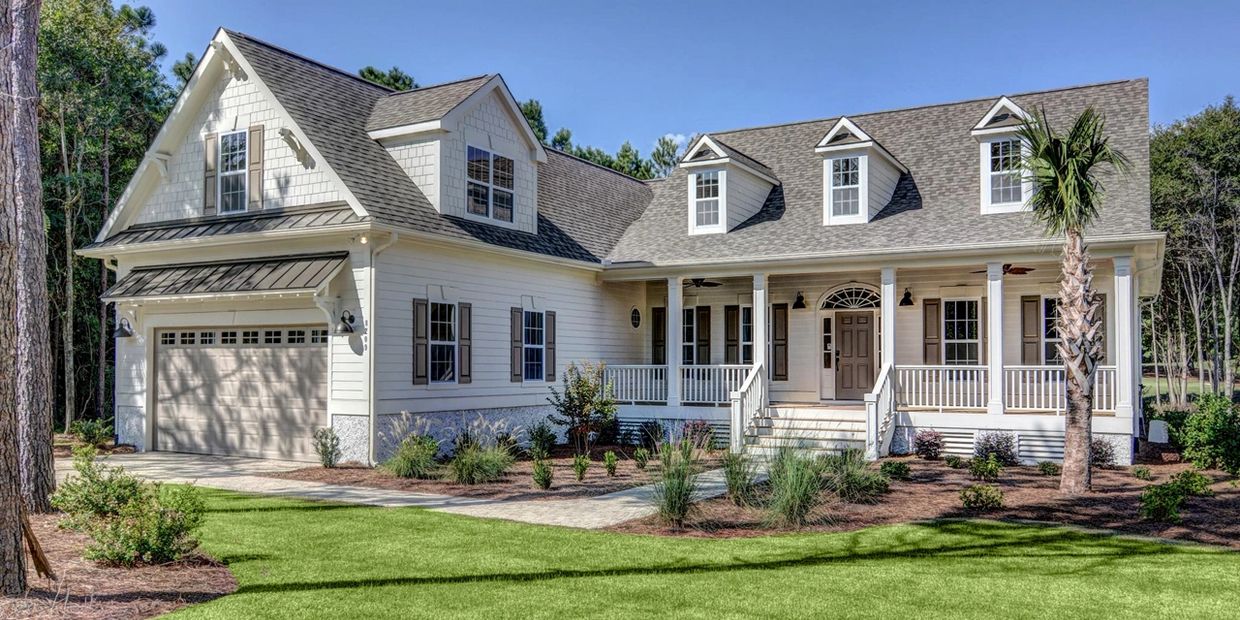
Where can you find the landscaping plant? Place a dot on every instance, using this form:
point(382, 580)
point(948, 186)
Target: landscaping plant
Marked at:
point(1101, 453)
point(1161, 502)
point(999, 444)
point(327, 446)
point(928, 444)
point(96, 492)
point(542, 440)
point(675, 486)
point(1193, 482)
point(581, 464)
point(610, 461)
point(584, 405)
point(796, 487)
point(1211, 436)
point(474, 464)
point(1049, 468)
point(982, 497)
point(651, 434)
point(849, 476)
point(507, 441)
point(1177, 420)
point(94, 433)
point(698, 433)
point(543, 474)
point(985, 469)
point(955, 462)
point(414, 458)
point(1141, 472)
point(464, 440)
point(641, 457)
point(895, 470)
point(741, 474)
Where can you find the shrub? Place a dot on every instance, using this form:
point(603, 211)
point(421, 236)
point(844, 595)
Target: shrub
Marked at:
point(1141, 472)
point(651, 434)
point(928, 444)
point(982, 496)
point(641, 457)
point(464, 441)
point(327, 446)
point(1002, 445)
point(850, 478)
point(955, 462)
point(698, 433)
point(543, 474)
point(581, 464)
point(895, 470)
point(673, 491)
point(796, 487)
point(610, 462)
point(1176, 420)
point(1049, 468)
point(987, 469)
point(1211, 436)
point(95, 433)
point(542, 440)
point(741, 475)
point(157, 529)
point(608, 433)
point(505, 440)
point(1101, 453)
point(1161, 502)
point(96, 492)
point(584, 405)
point(1193, 482)
point(475, 464)
point(414, 458)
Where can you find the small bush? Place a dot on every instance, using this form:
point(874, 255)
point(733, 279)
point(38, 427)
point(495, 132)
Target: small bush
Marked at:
point(895, 470)
point(1141, 472)
point(1049, 468)
point(796, 487)
point(1002, 445)
point(1193, 482)
point(581, 464)
point(673, 491)
point(610, 461)
point(982, 497)
point(651, 434)
point(95, 433)
point(505, 440)
point(741, 475)
point(543, 474)
point(464, 441)
point(476, 465)
point(850, 478)
point(1176, 420)
point(157, 529)
point(542, 440)
point(414, 458)
point(985, 469)
point(1101, 453)
point(928, 444)
point(1211, 436)
point(1161, 502)
point(583, 405)
point(641, 457)
point(96, 492)
point(955, 462)
point(327, 446)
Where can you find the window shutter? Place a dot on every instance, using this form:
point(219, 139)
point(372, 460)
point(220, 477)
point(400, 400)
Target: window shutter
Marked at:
point(703, 334)
point(983, 332)
point(465, 320)
point(658, 336)
point(210, 191)
point(1102, 327)
point(779, 342)
point(516, 344)
point(731, 334)
point(1030, 330)
point(255, 159)
point(421, 342)
point(549, 345)
point(932, 344)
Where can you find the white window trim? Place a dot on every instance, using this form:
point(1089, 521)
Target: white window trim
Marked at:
point(489, 218)
point(542, 348)
point(722, 226)
point(1042, 339)
point(741, 336)
point(455, 342)
point(688, 321)
point(220, 174)
point(863, 191)
point(981, 325)
point(1026, 186)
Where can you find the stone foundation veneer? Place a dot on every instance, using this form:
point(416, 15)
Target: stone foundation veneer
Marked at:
point(445, 425)
point(902, 443)
point(130, 425)
point(354, 432)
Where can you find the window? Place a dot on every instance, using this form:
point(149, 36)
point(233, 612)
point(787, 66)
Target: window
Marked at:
point(1005, 185)
point(249, 337)
point(228, 337)
point(534, 340)
point(489, 190)
point(443, 343)
point(845, 186)
point(232, 172)
point(706, 199)
point(272, 336)
point(168, 338)
point(828, 350)
point(1050, 331)
point(206, 338)
point(961, 329)
point(187, 337)
point(746, 334)
point(688, 339)
point(296, 336)
point(318, 336)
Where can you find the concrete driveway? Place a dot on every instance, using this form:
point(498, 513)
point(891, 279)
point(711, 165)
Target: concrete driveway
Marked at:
point(176, 467)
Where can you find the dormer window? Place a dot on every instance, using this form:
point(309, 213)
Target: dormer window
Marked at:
point(1004, 188)
point(489, 190)
point(845, 187)
point(725, 186)
point(706, 202)
point(1005, 171)
point(859, 176)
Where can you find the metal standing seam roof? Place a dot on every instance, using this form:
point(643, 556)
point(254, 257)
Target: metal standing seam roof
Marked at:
point(263, 221)
point(253, 275)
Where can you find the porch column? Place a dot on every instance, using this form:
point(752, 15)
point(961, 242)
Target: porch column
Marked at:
point(1124, 329)
point(675, 302)
point(760, 337)
point(994, 337)
point(888, 318)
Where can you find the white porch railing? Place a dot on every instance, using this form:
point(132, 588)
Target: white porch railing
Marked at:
point(748, 402)
point(880, 412)
point(1043, 388)
point(711, 384)
point(941, 387)
point(638, 383)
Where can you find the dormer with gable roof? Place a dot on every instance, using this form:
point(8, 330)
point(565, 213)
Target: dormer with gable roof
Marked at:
point(859, 176)
point(725, 187)
point(1003, 188)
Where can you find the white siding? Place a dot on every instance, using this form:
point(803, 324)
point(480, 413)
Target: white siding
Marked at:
point(746, 195)
point(420, 160)
point(236, 105)
point(883, 178)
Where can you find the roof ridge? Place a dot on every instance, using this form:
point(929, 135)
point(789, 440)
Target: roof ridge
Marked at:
point(419, 89)
point(307, 59)
point(925, 106)
point(552, 149)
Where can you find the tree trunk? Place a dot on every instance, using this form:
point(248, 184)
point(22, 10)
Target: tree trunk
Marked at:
point(1154, 353)
point(1079, 348)
point(20, 186)
point(101, 361)
point(66, 329)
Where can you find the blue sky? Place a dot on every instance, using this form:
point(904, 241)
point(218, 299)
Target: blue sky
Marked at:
point(637, 70)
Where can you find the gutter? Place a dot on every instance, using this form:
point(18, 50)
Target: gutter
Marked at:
point(371, 401)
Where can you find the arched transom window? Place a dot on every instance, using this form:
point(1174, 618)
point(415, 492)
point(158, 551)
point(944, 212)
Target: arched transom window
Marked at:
point(851, 298)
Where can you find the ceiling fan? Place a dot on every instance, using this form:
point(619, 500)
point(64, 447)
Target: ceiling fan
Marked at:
point(1009, 270)
point(702, 283)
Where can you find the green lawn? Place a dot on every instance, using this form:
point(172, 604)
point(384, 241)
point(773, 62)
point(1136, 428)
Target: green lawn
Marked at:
point(305, 559)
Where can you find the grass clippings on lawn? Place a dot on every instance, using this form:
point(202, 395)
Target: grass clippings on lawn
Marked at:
point(934, 493)
point(89, 591)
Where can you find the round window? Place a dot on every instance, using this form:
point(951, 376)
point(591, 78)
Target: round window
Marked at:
point(635, 317)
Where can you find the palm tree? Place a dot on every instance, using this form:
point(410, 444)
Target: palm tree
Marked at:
point(1065, 172)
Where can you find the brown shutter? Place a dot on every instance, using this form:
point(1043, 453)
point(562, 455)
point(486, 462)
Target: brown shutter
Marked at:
point(932, 347)
point(703, 334)
point(779, 342)
point(255, 159)
point(983, 331)
point(210, 191)
point(515, 345)
point(421, 342)
point(658, 336)
point(464, 337)
point(1102, 327)
point(731, 334)
point(1030, 330)
point(549, 345)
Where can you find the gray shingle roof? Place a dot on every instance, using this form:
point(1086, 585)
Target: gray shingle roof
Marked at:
point(262, 221)
point(255, 275)
point(735, 154)
point(935, 204)
point(424, 104)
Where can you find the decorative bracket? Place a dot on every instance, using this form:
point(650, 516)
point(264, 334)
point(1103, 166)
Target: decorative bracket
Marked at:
point(299, 149)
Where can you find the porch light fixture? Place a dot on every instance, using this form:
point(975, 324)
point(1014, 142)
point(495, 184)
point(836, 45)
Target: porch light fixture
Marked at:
point(345, 326)
point(123, 329)
point(799, 304)
point(907, 300)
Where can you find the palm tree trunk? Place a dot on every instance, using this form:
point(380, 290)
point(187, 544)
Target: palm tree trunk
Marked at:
point(1079, 348)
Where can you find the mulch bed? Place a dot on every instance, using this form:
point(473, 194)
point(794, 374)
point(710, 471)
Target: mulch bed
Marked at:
point(933, 492)
point(63, 445)
point(518, 483)
point(89, 590)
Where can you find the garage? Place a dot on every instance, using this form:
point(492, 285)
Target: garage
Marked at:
point(256, 391)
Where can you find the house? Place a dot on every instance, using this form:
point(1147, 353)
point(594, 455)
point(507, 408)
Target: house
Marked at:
point(301, 248)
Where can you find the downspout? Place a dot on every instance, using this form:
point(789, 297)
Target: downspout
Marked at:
point(371, 332)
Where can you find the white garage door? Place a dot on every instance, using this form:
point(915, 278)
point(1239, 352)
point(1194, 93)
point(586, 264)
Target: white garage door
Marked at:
point(247, 391)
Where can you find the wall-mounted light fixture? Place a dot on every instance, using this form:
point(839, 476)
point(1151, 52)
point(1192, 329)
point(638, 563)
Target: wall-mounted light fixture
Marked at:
point(123, 329)
point(345, 326)
point(799, 304)
point(907, 300)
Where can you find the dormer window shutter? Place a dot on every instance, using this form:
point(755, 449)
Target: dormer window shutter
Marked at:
point(255, 158)
point(211, 159)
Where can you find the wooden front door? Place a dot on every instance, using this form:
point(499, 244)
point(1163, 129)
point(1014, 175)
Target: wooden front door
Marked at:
point(854, 371)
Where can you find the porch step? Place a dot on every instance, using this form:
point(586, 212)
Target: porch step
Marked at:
point(816, 412)
point(765, 447)
point(794, 425)
point(808, 434)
